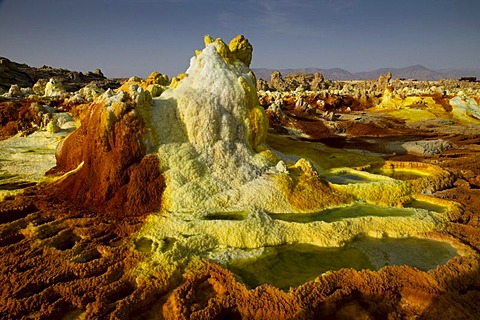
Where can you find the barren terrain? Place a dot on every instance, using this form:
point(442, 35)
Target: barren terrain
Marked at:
point(94, 236)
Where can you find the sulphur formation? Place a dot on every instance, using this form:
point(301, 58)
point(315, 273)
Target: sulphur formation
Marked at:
point(209, 131)
point(194, 155)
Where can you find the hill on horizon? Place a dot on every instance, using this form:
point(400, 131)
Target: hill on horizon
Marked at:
point(417, 72)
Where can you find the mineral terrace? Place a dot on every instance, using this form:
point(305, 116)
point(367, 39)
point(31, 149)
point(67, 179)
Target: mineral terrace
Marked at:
point(216, 195)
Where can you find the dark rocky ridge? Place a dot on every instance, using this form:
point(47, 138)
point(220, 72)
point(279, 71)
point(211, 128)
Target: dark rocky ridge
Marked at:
point(26, 76)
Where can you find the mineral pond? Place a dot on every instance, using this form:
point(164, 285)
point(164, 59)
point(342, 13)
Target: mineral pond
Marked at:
point(207, 197)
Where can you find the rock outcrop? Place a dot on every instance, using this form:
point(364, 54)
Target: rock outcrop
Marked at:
point(24, 76)
point(106, 164)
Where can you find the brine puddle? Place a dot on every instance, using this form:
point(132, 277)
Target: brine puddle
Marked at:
point(292, 265)
point(400, 174)
point(346, 178)
point(354, 211)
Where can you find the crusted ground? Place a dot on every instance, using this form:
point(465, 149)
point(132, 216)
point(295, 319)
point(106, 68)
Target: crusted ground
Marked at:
point(59, 260)
point(70, 246)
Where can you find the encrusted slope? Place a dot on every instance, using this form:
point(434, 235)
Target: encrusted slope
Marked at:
point(105, 164)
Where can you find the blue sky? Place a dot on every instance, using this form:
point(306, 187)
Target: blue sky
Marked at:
point(125, 38)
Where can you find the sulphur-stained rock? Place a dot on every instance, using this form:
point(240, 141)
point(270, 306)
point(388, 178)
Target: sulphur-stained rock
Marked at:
point(90, 92)
point(155, 90)
point(389, 100)
point(19, 116)
point(54, 88)
point(384, 80)
point(465, 108)
point(175, 80)
point(64, 120)
point(53, 127)
point(277, 82)
point(111, 168)
point(242, 49)
point(233, 127)
point(15, 91)
point(298, 82)
point(39, 87)
point(317, 82)
point(155, 83)
point(301, 105)
point(262, 85)
point(157, 78)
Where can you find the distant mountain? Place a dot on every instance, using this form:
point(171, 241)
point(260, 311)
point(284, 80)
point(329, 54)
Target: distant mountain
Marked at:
point(418, 72)
point(458, 73)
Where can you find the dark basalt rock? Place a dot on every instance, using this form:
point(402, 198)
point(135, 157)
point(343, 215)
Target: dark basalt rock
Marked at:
point(26, 76)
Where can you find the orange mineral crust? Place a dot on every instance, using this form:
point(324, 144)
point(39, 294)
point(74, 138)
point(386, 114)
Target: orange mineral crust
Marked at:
point(115, 175)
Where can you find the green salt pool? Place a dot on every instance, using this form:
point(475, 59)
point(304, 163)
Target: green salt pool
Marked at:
point(400, 174)
point(292, 265)
point(346, 178)
point(355, 211)
point(427, 206)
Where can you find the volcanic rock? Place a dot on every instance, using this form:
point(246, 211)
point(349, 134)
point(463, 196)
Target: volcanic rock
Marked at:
point(106, 163)
point(54, 88)
point(317, 82)
point(15, 91)
point(427, 147)
point(277, 82)
point(39, 87)
point(262, 85)
point(26, 76)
